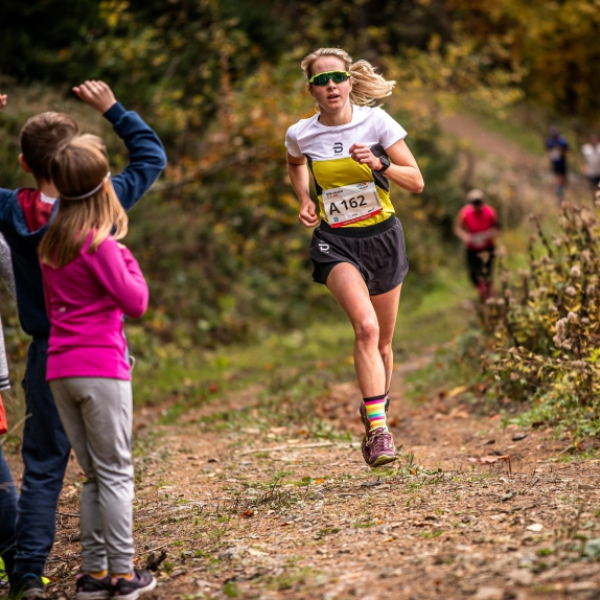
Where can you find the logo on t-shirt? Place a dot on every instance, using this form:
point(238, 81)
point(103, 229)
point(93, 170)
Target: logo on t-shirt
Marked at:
point(338, 148)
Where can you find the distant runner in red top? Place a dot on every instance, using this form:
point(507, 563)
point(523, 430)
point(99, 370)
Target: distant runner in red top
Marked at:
point(477, 226)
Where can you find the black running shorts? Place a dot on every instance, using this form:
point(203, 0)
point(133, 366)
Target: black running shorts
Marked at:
point(377, 251)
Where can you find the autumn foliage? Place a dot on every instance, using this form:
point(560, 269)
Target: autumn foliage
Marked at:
point(544, 325)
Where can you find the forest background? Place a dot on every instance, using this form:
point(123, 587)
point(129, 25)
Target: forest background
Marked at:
point(219, 80)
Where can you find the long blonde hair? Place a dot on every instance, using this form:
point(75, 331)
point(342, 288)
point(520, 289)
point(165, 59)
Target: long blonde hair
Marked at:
point(78, 167)
point(367, 86)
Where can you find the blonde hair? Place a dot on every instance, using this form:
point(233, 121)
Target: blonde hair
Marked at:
point(78, 167)
point(41, 136)
point(367, 86)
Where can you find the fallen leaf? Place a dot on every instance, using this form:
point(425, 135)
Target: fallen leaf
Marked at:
point(247, 514)
point(456, 413)
point(319, 480)
point(255, 552)
point(277, 430)
point(457, 390)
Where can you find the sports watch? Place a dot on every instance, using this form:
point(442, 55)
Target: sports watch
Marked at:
point(385, 164)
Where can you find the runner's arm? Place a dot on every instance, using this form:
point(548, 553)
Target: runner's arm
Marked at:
point(403, 171)
point(298, 172)
point(459, 229)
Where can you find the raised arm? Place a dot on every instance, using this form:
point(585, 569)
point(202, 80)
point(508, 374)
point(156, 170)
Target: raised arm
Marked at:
point(147, 157)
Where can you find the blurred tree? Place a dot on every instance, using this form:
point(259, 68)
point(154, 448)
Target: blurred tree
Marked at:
point(37, 38)
point(551, 46)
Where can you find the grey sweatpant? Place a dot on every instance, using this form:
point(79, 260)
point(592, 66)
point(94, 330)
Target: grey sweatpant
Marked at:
point(96, 415)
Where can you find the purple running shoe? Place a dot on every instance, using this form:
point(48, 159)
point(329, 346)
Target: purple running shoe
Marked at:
point(378, 448)
point(367, 424)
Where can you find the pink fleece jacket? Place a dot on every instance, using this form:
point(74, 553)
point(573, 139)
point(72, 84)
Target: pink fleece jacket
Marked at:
point(85, 301)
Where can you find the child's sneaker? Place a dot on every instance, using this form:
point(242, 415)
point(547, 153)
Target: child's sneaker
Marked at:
point(378, 448)
point(27, 585)
point(131, 589)
point(88, 587)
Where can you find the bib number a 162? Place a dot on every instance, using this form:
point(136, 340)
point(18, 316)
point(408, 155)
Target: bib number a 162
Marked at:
point(351, 203)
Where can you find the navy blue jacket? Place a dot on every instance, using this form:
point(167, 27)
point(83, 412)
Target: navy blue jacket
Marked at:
point(147, 160)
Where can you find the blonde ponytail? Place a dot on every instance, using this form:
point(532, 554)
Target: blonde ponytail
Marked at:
point(367, 86)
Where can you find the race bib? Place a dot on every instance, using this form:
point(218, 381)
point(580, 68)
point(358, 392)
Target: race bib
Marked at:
point(556, 154)
point(351, 203)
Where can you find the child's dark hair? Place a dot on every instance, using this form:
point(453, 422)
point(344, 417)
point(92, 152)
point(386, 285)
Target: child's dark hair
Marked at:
point(41, 137)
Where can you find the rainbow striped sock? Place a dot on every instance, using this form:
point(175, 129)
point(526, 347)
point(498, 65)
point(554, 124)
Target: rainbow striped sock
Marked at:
point(376, 411)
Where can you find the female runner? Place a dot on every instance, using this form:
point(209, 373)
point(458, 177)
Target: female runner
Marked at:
point(353, 151)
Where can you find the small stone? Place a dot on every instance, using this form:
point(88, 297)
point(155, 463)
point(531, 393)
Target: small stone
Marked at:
point(178, 572)
point(518, 437)
point(521, 577)
point(489, 593)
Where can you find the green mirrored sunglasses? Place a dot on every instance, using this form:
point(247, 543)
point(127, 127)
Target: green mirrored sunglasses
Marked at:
point(335, 76)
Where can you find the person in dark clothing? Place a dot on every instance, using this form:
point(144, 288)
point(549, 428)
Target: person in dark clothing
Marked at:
point(557, 149)
point(24, 217)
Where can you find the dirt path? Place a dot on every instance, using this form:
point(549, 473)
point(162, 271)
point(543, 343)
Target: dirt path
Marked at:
point(244, 510)
point(519, 180)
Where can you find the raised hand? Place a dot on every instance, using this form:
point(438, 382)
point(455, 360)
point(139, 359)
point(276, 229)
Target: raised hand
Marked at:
point(96, 94)
point(363, 155)
point(3, 101)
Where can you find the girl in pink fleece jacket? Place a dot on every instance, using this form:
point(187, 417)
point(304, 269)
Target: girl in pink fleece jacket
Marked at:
point(91, 281)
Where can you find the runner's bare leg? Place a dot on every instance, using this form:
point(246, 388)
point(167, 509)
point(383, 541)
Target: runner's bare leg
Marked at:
point(349, 289)
point(386, 309)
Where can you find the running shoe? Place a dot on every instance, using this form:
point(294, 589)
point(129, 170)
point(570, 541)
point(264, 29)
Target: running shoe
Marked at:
point(378, 448)
point(130, 589)
point(26, 586)
point(88, 587)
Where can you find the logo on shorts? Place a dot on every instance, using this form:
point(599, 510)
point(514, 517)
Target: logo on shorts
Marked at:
point(338, 148)
point(324, 248)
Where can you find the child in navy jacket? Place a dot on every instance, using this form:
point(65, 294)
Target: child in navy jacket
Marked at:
point(24, 216)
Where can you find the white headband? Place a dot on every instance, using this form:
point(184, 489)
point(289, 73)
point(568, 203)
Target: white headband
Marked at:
point(89, 193)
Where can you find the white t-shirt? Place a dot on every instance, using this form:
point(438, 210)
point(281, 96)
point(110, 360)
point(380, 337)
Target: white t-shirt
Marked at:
point(324, 142)
point(591, 155)
point(327, 149)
